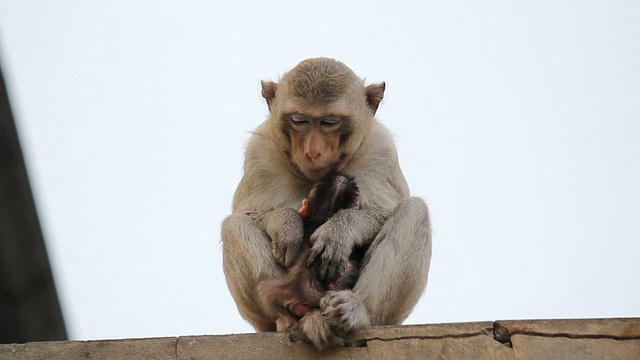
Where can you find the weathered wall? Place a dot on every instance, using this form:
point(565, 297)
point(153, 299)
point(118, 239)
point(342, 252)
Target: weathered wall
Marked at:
point(534, 339)
point(29, 307)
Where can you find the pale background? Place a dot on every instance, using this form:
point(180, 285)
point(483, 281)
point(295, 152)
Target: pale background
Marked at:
point(518, 122)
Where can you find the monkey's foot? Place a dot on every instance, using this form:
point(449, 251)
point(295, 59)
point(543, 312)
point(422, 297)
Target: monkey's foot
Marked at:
point(314, 329)
point(286, 324)
point(344, 311)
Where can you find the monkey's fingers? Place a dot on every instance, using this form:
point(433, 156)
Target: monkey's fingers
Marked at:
point(285, 252)
point(316, 250)
point(287, 257)
point(335, 269)
point(327, 270)
point(340, 269)
point(279, 254)
point(291, 255)
point(323, 270)
point(325, 264)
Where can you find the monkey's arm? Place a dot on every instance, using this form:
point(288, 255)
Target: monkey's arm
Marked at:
point(334, 241)
point(263, 193)
point(285, 229)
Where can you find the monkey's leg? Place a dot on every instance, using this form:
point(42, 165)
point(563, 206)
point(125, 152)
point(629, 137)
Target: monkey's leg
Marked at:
point(247, 258)
point(393, 273)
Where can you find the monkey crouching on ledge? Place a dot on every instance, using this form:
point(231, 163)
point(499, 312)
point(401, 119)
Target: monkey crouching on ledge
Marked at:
point(292, 296)
point(321, 120)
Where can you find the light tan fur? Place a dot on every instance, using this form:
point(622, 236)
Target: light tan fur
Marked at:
point(263, 235)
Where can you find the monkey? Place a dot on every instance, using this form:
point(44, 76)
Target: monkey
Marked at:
point(321, 120)
point(292, 296)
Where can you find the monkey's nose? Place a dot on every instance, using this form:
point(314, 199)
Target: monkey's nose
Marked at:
point(313, 155)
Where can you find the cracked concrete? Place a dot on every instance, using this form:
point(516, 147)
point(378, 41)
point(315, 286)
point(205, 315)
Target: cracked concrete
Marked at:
point(522, 339)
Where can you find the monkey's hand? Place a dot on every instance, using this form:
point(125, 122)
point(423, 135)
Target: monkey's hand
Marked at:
point(285, 229)
point(333, 242)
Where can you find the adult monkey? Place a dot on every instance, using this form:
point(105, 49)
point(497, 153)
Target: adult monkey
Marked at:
point(322, 120)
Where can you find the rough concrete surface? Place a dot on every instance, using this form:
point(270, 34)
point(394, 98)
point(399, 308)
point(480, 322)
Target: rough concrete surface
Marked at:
point(526, 339)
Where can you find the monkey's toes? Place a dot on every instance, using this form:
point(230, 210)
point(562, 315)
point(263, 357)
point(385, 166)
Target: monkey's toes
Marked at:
point(343, 311)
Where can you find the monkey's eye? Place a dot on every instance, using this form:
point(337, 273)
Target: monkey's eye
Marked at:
point(330, 121)
point(299, 119)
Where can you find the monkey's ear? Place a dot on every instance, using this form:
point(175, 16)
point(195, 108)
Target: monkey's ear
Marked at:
point(269, 91)
point(375, 93)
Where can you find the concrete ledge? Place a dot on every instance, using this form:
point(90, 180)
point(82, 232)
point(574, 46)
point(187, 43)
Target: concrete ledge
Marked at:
point(527, 339)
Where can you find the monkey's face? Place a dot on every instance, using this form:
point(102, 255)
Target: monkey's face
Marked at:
point(317, 141)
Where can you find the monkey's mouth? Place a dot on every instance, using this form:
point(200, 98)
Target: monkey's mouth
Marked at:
point(316, 173)
point(299, 308)
point(312, 173)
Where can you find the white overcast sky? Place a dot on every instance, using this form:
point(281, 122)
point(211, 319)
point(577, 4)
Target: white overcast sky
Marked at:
point(517, 121)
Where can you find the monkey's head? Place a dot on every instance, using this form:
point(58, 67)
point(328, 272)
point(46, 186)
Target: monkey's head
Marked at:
point(320, 112)
point(328, 195)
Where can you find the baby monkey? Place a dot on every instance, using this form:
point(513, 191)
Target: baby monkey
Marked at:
point(292, 296)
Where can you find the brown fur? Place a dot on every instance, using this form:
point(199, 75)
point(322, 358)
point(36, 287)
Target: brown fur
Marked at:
point(320, 82)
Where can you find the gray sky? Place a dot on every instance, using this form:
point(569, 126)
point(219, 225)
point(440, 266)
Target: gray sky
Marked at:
point(518, 122)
